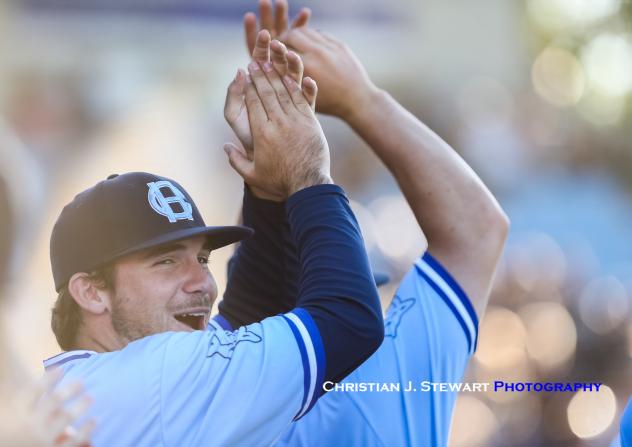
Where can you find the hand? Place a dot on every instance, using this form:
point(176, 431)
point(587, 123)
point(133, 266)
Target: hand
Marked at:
point(49, 414)
point(284, 62)
point(343, 82)
point(275, 23)
point(290, 150)
point(235, 112)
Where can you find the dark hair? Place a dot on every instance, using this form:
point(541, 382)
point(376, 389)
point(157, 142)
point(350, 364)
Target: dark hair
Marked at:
point(66, 313)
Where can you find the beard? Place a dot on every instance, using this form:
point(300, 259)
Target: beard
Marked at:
point(128, 325)
point(132, 323)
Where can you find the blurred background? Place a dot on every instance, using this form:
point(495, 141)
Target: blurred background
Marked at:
point(535, 95)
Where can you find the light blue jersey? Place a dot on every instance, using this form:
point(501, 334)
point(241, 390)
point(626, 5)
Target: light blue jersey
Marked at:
point(430, 334)
point(203, 388)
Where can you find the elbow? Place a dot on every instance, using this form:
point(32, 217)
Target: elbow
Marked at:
point(375, 329)
point(495, 226)
point(501, 224)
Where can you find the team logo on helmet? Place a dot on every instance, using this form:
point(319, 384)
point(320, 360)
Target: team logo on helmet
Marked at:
point(164, 205)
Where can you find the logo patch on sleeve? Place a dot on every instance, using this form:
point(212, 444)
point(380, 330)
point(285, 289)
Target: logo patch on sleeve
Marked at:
point(396, 311)
point(223, 342)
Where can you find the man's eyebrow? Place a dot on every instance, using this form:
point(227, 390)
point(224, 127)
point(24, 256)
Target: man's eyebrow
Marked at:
point(161, 250)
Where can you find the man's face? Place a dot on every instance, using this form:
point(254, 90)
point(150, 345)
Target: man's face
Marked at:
point(167, 288)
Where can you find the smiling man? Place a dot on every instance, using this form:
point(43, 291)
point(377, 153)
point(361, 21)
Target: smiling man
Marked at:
point(129, 259)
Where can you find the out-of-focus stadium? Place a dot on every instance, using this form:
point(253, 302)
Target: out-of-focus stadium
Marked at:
point(536, 95)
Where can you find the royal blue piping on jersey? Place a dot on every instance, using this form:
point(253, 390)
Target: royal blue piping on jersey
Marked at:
point(306, 370)
point(319, 351)
point(60, 362)
point(472, 339)
point(223, 322)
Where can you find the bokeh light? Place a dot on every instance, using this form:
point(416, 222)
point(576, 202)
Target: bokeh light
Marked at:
point(603, 304)
point(551, 334)
point(591, 413)
point(473, 423)
point(602, 110)
point(607, 61)
point(558, 77)
point(559, 14)
point(502, 339)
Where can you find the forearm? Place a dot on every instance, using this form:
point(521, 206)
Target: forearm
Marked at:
point(448, 199)
point(336, 285)
point(261, 282)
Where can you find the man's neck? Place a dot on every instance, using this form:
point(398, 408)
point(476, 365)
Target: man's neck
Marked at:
point(89, 342)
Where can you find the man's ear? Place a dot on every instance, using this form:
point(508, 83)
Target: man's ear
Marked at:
point(87, 295)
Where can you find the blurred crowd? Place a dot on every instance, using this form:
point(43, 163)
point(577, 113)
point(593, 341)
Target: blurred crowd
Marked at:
point(535, 95)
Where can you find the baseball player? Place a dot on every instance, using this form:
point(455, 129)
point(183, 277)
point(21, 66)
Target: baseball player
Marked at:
point(129, 259)
point(431, 324)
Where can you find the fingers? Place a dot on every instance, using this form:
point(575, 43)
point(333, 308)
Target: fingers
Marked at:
point(250, 31)
point(261, 52)
point(310, 91)
point(297, 95)
point(280, 16)
point(265, 14)
point(239, 161)
point(295, 66)
point(302, 18)
point(278, 53)
point(234, 97)
point(81, 437)
point(64, 419)
point(282, 95)
point(265, 91)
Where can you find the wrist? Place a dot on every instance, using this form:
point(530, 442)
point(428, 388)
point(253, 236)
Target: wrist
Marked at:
point(364, 107)
point(262, 194)
point(317, 178)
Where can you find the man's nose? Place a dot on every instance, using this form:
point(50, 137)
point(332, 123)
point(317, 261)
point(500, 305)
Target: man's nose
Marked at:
point(199, 280)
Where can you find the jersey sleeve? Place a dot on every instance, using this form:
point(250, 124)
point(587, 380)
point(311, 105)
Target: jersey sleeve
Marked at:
point(240, 387)
point(430, 335)
point(428, 272)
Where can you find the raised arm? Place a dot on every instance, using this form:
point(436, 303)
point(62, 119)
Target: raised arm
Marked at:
point(269, 257)
point(465, 227)
point(291, 160)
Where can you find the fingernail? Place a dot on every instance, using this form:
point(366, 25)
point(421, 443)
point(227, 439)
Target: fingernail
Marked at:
point(253, 66)
point(238, 75)
point(267, 67)
point(227, 149)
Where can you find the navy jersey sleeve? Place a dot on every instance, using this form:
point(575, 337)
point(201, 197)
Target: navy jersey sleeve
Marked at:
point(331, 279)
point(263, 272)
point(336, 284)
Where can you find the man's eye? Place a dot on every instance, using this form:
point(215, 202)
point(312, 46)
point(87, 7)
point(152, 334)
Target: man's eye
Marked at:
point(164, 262)
point(203, 260)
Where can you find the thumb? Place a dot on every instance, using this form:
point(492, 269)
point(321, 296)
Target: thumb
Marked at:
point(239, 162)
point(235, 97)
